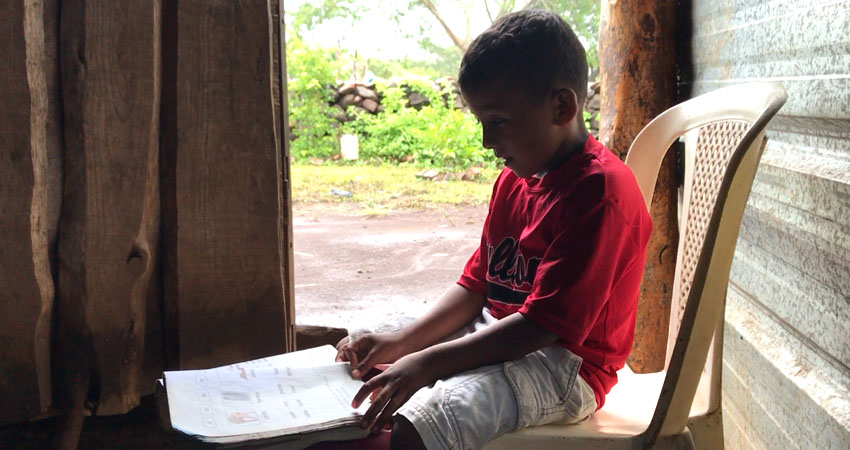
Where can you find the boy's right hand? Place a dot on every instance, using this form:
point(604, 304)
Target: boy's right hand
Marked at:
point(368, 350)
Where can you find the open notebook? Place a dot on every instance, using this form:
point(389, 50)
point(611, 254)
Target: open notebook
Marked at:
point(291, 400)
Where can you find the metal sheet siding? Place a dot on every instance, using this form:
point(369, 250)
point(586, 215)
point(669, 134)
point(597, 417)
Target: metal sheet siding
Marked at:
point(787, 348)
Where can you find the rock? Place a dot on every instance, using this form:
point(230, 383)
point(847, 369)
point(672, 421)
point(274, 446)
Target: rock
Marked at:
point(370, 105)
point(428, 174)
point(593, 103)
point(347, 88)
point(417, 100)
point(365, 92)
point(338, 113)
point(473, 173)
point(347, 100)
point(340, 192)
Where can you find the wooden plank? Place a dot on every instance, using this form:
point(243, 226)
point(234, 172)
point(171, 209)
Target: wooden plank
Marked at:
point(280, 99)
point(25, 276)
point(638, 73)
point(108, 235)
point(222, 207)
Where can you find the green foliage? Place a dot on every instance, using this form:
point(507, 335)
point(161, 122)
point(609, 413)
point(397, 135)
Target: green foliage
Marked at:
point(445, 62)
point(583, 18)
point(312, 73)
point(308, 14)
point(436, 135)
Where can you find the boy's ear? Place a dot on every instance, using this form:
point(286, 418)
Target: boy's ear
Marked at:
point(566, 106)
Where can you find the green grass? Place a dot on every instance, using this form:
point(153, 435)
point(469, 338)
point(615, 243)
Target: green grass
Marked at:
point(382, 189)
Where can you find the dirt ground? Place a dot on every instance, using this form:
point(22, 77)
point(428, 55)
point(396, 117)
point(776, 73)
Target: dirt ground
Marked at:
point(352, 271)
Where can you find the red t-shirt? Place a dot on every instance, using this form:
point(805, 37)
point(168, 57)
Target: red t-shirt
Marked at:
point(567, 251)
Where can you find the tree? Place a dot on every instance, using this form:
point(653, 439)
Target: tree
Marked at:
point(308, 15)
point(581, 15)
point(460, 20)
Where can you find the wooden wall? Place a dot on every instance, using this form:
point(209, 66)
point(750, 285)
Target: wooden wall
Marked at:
point(143, 205)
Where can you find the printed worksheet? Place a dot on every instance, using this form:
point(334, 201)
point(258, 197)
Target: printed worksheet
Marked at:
point(284, 394)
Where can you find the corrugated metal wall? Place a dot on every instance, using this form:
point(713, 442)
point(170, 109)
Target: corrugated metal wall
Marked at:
point(786, 377)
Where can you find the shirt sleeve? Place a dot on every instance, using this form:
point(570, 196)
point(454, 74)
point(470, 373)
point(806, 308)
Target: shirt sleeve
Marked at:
point(577, 274)
point(473, 276)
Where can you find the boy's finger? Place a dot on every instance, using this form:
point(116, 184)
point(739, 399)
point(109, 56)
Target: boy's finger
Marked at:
point(369, 419)
point(394, 403)
point(364, 366)
point(366, 389)
point(351, 356)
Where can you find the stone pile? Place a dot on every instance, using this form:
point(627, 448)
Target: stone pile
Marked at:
point(592, 105)
point(365, 97)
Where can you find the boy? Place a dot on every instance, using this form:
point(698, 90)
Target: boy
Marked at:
point(543, 315)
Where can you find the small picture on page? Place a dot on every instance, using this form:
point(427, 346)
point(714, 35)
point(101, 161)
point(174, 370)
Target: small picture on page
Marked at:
point(235, 396)
point(242, 417)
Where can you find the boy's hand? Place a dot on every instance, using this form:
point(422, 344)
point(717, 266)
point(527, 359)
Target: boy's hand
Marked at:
point(370, 349)
point(393, 388)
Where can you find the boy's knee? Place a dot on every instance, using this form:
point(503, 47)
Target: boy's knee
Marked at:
point(404, 435)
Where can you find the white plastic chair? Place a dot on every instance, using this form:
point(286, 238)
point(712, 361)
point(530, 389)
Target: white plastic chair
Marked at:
point(653, 410)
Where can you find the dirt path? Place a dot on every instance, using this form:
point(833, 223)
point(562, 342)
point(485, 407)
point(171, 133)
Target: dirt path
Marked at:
point(354, 270)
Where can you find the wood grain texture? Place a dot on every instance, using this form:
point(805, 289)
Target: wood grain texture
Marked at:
point(222, 229)
point(27, 285)
point(108, 235)
point(638, 73)
point(281, 111)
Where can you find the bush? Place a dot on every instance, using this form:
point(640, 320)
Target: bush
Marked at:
point(436, 135)
point(312, 73)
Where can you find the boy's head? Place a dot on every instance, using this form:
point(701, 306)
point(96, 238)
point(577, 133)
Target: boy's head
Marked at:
point(532, 49)
point(525, 79)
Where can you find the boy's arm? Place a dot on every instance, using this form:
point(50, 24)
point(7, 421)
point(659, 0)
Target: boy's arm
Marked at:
point(456, 308)
point(510, 338)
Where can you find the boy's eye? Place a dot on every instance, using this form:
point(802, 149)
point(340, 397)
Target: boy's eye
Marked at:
point(497, 121)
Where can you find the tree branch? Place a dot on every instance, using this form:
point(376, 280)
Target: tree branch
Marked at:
point(433, 9)
point(487, 8)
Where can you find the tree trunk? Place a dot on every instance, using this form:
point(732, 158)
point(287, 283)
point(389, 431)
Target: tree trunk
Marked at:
point(638, 67)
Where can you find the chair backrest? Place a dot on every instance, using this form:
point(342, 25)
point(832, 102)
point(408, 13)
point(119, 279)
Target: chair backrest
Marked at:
point(718, 176)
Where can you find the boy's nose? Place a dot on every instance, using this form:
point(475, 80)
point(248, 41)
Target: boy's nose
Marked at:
point(487, 139)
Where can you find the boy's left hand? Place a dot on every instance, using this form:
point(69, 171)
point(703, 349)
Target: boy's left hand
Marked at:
point(393, 388)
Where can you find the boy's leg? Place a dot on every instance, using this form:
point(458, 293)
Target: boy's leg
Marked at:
point(471, 408)
point(404, 436)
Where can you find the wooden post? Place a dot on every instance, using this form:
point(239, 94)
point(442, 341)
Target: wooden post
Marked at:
point(638, 68)
point(222, 203)
point(29, 152)
point(281, 110)
point(108, 243)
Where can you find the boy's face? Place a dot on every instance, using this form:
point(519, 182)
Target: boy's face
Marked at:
point(520, 130)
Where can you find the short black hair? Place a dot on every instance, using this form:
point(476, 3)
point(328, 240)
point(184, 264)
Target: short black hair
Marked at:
point(531, 48)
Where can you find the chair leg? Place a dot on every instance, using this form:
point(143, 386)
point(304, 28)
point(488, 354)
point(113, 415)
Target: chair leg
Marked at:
point(707, 430)
point(682, 441)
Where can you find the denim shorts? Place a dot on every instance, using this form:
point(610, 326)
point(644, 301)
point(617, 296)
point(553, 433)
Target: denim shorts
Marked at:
point(468, 409)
